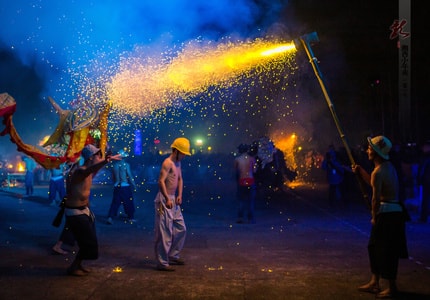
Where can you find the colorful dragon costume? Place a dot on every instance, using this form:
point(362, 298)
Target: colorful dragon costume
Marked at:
point(76, 124)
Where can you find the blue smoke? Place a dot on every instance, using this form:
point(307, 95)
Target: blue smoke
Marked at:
point(49, 38)
point(59, 33)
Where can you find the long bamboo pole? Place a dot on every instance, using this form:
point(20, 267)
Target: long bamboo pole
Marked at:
point(312, 59)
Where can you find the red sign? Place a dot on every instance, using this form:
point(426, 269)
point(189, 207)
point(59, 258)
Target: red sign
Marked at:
point(397, 29)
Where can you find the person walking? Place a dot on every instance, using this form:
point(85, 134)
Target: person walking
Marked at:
point(30, 165)
point(56, 185)
point(124, 186)
point(387, 242)
point(170, 229)
point(79, 218)
point(245, 168)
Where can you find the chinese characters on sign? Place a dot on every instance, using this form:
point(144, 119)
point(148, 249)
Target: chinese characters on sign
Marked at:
point(397, 29)
point(404, 70)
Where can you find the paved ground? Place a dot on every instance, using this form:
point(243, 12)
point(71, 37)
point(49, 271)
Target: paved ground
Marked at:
point(299, 249)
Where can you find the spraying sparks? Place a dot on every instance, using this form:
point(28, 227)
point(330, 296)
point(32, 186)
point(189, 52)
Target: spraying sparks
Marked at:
point(280, 49)
point(146, 84)
point(205, 89)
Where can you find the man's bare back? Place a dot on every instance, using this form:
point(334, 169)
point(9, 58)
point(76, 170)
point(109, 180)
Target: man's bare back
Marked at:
point(122, 173)
point(245, 166)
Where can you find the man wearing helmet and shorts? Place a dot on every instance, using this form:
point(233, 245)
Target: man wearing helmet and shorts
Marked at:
point(170, 229)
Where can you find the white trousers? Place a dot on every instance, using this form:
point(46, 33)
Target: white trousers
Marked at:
point(170, 230)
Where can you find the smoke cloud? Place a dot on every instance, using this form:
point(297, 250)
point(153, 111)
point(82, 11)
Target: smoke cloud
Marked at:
point(49, 40)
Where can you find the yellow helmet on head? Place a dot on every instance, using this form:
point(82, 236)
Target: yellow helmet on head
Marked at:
point(182, 145)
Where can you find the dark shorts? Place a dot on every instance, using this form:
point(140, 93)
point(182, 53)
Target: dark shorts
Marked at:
point(84, 231)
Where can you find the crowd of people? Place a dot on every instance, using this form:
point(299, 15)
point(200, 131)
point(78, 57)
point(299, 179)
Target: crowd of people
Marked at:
point(254, 165)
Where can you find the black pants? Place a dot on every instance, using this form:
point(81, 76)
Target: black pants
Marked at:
point(84, 230)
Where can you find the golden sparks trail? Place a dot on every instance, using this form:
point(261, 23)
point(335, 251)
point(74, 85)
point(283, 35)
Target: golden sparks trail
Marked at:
point(143, 85)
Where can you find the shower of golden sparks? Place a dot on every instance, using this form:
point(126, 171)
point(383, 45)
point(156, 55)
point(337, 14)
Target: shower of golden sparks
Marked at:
point(207, 88)
point(140, 86)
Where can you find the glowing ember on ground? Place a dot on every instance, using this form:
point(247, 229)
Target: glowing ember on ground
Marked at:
point(267, 270)
point(117, 269)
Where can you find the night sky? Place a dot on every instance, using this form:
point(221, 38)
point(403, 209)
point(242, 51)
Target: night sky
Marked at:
point(51, 48)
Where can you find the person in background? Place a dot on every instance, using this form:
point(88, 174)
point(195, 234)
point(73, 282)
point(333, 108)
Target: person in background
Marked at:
point(79, 218)
point(424, 182)
point(170, 229)
point(397, 159)
point(335, 172)
point(56, 185)
point(387, 242)
point(30, 165)
point(124, 186)
point(245, 168)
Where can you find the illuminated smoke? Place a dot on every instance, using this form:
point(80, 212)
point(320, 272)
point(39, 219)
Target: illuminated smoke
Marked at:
point(143, 84)
point(222, 85)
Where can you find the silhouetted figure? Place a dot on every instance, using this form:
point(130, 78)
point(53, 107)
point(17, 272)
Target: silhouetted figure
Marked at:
point(424, 182)
point(245, 167)
point(272, 170)
point(123, 190)
point(30, 165)
point(396, 158)
point(335, 172)
point(56, 186)
point(387, 242)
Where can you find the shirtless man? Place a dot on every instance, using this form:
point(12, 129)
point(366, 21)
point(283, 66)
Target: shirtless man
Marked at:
point(170, 229)
point(124, 186)
point(245, 168)
point(387, 241)
point(78, 215)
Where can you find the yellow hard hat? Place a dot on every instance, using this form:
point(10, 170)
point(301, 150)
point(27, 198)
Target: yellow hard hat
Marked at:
point(182, 145)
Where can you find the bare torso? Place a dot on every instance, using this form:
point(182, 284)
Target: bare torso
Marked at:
point(80, 178)
point(78, 188)
point(244, 165)
point(172, 175)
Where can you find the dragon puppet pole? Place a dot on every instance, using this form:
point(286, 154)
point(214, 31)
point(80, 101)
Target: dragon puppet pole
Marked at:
point(306, 40)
